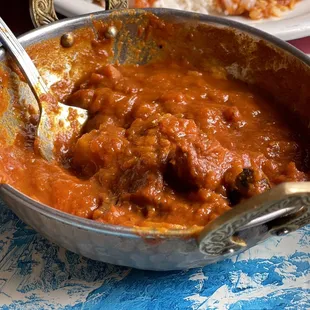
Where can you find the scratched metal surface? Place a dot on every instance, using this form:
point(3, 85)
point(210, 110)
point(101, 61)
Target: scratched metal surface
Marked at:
point(35, 274)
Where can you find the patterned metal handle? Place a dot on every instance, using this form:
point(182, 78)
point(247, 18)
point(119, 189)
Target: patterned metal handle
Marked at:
point(279, 211)
point(43, 12)
point(116, 4)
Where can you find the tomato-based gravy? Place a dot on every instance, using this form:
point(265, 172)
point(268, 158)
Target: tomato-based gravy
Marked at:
point(167, 144)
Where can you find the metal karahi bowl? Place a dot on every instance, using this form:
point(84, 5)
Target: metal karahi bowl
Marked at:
point(253, 56)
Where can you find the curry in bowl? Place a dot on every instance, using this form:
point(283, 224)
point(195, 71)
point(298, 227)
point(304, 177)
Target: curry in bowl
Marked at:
point(172, 142)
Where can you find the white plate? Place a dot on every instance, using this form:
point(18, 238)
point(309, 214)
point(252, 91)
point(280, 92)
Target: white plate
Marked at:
point(293, 25)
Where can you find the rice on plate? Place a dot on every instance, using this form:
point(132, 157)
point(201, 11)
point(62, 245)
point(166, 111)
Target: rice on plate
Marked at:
point(254, 9)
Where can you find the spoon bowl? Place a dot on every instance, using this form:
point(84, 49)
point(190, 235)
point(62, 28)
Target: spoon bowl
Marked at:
point(58, 122)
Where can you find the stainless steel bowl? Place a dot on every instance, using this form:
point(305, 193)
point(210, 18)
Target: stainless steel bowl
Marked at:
point(279, 211)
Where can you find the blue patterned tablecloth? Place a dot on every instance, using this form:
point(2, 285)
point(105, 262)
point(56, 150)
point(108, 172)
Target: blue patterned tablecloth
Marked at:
point(35, 274)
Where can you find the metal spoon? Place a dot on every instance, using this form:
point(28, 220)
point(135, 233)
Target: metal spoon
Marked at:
point(57, 121)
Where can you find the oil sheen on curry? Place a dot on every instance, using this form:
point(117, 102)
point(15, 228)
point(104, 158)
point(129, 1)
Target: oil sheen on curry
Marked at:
point(167, 145)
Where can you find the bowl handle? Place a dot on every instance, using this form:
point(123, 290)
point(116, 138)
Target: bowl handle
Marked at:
point(281, 210)
point(43, 12)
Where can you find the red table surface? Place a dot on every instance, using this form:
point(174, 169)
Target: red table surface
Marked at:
point(302, 44)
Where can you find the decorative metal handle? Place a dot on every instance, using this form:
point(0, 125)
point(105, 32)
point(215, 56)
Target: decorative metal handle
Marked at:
point(116, 4)
point(43, 12)
point(281, 210)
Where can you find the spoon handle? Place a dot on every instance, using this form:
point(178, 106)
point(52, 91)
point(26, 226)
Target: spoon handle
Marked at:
point(18, 53)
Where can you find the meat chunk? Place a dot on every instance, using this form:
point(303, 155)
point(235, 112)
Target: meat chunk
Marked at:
point(81, 98)
point(111, 72)
point(248, 183)
point(141, 189)
point(195, 161)
point(99, 149)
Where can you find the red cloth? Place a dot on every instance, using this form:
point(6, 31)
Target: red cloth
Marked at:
point(302, 44)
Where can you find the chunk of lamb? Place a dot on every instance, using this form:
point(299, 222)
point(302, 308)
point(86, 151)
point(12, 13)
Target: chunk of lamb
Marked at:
point(247, 183)
point(196, 161)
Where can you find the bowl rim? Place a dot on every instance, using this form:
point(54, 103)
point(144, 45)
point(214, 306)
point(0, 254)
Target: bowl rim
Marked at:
point(54, 30)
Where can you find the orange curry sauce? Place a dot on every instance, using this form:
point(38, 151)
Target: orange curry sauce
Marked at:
point(166, 145)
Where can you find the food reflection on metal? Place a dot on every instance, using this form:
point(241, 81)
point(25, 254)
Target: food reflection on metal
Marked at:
point(67, 39)
point(42, 12)
point(111, 32)
point(57, 120)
